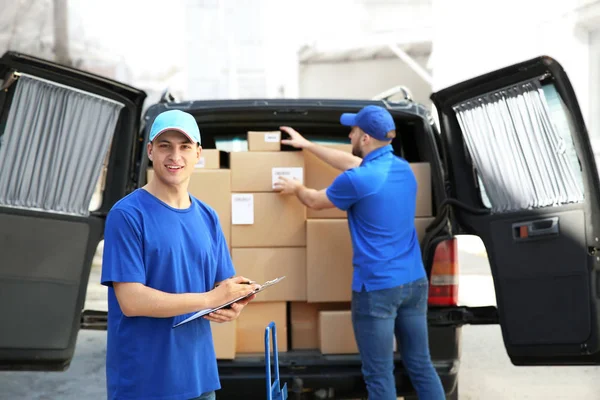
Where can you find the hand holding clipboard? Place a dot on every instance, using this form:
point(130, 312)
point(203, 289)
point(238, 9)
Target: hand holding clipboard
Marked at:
point(207, 311)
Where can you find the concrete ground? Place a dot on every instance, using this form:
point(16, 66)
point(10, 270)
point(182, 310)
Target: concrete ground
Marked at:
point(485, 373)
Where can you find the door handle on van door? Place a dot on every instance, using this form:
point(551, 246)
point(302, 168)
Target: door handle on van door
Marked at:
point(535, 229)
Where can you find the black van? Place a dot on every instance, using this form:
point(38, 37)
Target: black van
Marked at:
point(512, 164)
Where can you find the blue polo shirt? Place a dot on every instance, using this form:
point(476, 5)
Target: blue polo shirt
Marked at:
point(174, 251)
point(380, 199)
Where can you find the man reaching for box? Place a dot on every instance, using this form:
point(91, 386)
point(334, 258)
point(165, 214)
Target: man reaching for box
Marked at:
point(389, 284)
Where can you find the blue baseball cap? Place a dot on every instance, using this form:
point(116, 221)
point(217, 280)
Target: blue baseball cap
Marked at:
point(375, 121)
point(176, 120)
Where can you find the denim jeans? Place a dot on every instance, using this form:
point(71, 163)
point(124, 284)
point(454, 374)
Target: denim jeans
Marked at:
point(206, 396)
point(376, 316)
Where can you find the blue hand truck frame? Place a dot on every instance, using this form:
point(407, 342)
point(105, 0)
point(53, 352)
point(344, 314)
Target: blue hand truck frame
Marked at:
point(274, 392)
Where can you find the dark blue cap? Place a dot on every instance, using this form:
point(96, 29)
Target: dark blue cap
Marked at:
point(375, 121)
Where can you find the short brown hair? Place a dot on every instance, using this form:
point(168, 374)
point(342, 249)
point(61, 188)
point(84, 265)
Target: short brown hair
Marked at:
point(391, 134)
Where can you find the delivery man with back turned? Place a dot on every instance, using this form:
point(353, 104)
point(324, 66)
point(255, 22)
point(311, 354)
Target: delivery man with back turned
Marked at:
point(389, 285)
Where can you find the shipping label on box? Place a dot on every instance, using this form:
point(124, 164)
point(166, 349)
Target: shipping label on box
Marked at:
point(272, 137)
point(296, 173)
point(242, 209)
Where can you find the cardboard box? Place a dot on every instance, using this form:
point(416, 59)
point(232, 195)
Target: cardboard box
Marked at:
point(336, 335)
point(320, 175)
point(264, 141)
point(277, 220)
point(329, 258)
point(422, 172)
point(253, 171)
point(304, 318)
point(224, 339)
point(328, 261)
point(252, 322)
point(211, 159)
point(265, 264)
point(213, 187)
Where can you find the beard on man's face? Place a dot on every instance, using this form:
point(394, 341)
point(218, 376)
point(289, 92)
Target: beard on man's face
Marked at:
point(356, 151)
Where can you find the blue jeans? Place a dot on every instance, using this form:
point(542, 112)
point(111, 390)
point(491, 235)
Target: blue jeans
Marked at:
point(206, 396)
point(376, 316)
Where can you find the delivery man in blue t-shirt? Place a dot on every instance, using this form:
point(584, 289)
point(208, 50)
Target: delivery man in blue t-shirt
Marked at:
point(165, 257)
point(389, 286)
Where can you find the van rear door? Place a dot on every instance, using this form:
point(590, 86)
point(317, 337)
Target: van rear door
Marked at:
point(67, 145)
point(517, 146)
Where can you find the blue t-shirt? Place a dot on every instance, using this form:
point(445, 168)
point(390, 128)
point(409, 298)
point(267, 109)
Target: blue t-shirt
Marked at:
point(380, 199)
point(175, 251)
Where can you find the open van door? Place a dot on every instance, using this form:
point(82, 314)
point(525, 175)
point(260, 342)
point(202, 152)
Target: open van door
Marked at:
point(516, 146)
point(67, 137)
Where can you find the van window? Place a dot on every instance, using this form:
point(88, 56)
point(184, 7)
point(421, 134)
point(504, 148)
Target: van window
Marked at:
point(520, 142)
point(54, 146)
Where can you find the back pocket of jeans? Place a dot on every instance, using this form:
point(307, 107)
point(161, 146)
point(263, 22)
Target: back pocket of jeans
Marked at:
point(382, 303)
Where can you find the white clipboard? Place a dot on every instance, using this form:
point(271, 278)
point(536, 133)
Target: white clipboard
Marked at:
point(207, 311)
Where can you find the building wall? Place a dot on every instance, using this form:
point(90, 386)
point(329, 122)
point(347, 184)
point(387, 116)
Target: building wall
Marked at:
point(492, 35)
point(235, 49)
point(361, 79)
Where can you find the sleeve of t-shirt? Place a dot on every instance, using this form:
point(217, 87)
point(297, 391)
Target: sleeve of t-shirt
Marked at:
point(122, 259)
point(225, 269)
point(342, 192)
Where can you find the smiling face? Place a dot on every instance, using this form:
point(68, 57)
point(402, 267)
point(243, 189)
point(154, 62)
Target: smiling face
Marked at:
point(173, 157)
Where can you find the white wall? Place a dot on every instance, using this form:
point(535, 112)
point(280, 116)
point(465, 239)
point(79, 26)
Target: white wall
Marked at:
point(594, 105)
point(238, 49)
point(491, 35)
point(361, 79)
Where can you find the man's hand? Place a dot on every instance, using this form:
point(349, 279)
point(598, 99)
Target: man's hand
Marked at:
point(287, 185)
point(296, 140)
point(226, 315)
point(231, 289)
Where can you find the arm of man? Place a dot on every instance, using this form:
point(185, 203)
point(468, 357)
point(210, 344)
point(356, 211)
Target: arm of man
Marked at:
point(336, 158)
point(312, 198)
point(138, 300)
point(340, 194)
point(123, 269)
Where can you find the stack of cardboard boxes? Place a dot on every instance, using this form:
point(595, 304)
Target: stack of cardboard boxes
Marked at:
point(271, 235)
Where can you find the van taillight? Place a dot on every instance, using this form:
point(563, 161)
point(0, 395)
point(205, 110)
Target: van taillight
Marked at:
point(443, 285)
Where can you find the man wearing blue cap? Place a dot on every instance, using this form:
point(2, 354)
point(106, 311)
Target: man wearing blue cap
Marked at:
point(165, 257)
point(389, 285)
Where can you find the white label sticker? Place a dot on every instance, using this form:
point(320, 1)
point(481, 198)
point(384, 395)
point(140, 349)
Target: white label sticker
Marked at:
point(290, 172)
point(272, 137)
point(242, 209)
point(201, 163)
